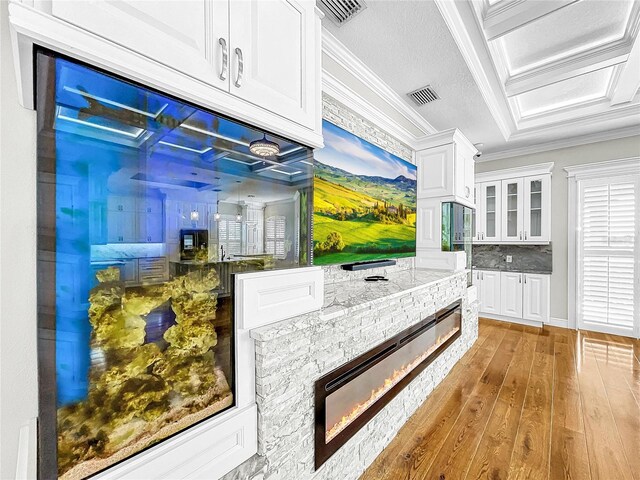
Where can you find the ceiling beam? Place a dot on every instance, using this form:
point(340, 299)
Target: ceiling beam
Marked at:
point(505, 17)
point(285, 160)
point(629, 79)
point(594, 59)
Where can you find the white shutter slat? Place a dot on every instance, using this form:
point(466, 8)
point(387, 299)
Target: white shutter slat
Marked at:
point(608, 216)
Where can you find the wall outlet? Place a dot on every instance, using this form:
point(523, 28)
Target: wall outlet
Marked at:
point(509, 259)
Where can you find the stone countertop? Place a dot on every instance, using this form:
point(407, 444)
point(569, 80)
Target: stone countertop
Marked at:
point(345, 298)
point(515, 270)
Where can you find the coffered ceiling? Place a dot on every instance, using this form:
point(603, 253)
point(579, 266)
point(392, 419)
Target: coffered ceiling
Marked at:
point(517, 75)
point(565, 65)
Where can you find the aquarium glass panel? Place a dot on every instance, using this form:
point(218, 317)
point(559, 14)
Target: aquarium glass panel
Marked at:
point(147, 207)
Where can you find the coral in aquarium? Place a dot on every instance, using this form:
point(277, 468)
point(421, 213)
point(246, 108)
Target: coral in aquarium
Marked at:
point(143, 392)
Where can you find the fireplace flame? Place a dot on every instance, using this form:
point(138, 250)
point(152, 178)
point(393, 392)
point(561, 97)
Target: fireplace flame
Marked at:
point(388, 383)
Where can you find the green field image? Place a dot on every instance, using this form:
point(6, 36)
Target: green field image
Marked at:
point(358, 220)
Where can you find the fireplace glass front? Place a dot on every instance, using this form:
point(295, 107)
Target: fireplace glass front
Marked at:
point(147, 206)
point(351, 395)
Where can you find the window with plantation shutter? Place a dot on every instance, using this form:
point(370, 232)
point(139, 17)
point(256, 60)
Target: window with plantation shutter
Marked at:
point(608, 260)
point(275, 234)
point(230, 234)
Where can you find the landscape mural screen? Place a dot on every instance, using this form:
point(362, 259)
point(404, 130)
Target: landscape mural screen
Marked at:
point(364, 201)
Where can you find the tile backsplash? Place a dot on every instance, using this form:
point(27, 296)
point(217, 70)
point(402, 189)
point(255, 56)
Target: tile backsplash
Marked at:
point(524, 257)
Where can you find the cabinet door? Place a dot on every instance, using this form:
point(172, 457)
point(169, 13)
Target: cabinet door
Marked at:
point(491, 203)
point(273, 56)
point(512, 210)
point(435, 172)
point(477, 213)
point(129, 272)
point(182, 34)
point(121, 227)
point(535, 297)
point(151, 228)
point(490, 292)
point(537, 209)
point(511, 294)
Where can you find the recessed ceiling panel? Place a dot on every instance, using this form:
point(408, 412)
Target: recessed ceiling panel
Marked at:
point(567, 93)
point(574, 29)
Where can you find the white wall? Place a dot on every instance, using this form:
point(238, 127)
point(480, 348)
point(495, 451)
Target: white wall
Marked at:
point(594, 152)
point(18, 367)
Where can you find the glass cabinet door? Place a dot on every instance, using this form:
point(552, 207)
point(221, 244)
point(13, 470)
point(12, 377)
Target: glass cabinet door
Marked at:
point(491, 202)
point(512, 210)
point(536, 210)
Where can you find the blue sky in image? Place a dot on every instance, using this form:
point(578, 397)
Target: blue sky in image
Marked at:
point(348, 152)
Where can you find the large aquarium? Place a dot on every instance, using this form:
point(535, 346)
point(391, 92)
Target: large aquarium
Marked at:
point(147, 208)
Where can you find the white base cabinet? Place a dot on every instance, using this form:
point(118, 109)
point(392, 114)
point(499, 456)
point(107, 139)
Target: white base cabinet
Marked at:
point(514, 296)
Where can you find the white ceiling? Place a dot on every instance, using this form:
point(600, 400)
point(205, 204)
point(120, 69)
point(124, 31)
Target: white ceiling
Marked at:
point(512, 74)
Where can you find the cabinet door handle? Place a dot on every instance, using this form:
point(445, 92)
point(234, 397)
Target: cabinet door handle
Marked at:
point(519, 278)
point(525, 279)
point(520, 235)
point(225, 58)
point(525, 236)
point(238, 81)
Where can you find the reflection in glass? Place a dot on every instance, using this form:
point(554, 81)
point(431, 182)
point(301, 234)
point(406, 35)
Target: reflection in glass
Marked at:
point(512, 209)
point(536, 208)
point(147, 207)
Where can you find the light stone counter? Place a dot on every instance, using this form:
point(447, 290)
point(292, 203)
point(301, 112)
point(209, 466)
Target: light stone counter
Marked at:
point(348, 297)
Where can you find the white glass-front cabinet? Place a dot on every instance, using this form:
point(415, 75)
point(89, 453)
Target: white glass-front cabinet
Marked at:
point(512, 209)
point(537, 209)
point(488, 202)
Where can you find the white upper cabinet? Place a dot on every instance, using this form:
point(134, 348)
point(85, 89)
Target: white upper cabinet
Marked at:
point(488, 221)
point(272, 56)
point(257, 61)
point(537, 208)
point(187, 35)
point(446, 168)
point(513, 208)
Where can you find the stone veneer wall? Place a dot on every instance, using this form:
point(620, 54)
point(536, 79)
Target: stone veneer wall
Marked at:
point(287, 367)
point(345, 118)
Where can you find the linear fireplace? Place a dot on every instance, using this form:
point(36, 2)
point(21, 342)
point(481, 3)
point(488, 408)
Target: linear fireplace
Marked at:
point(349, 396)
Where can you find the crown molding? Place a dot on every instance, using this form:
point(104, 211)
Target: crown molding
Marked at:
point(522, 171)
point(629, 166)
point(474, 51)
point(343, 94)
point(445, 137)
point(563, 143)
point(337, 51)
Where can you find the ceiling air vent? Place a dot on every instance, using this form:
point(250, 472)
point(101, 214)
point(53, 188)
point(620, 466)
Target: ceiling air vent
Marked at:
point(424, 95)
point(341, 11)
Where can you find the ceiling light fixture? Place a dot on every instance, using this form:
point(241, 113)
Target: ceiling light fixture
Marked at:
point(217, 214)
point(264, 147)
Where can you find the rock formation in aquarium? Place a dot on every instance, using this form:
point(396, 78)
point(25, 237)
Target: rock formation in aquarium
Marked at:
point(143, 392)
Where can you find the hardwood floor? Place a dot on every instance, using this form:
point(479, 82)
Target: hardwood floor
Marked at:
point(526, 403)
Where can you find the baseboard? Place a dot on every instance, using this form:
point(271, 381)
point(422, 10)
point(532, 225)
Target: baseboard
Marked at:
point(503, 318)
point(558, 322)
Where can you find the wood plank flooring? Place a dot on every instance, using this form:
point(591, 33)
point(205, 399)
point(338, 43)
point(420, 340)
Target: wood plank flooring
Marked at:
point(526, 403)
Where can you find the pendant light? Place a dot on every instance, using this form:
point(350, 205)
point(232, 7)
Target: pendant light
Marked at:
point(264, 147)
point(239, 215)
point(216, 215)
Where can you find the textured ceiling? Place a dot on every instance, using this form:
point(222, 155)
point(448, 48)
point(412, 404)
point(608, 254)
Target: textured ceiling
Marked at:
point(408, 45)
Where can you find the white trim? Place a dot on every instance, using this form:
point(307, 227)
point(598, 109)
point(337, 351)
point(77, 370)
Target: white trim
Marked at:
point(504, 318)
point(472, 51)
point(338, 52)
point(607, 168)
point(576, 173)
point(445, 137)
point(27, 458)
point(563, 143)
point(558, 322)
point(515, 172)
